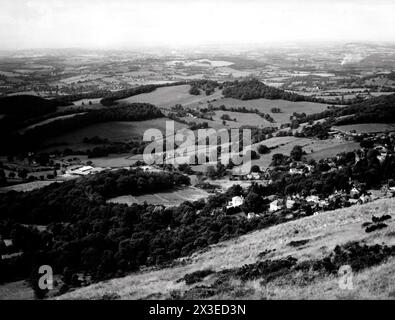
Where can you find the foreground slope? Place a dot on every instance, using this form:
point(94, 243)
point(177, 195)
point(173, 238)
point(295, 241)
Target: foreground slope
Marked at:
point(323, 232)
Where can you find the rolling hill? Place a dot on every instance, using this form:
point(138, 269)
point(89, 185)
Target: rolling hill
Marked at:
point(306, 239)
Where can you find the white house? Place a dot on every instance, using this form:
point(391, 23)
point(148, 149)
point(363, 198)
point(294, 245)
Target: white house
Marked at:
point(251, 215)
point(290, 203)
point(314, 199)
point(236, 202)
point(295, 171)
point(275, 205)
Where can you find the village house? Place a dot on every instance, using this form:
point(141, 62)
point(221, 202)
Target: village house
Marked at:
point(251, 215)
point(295, 171)
point(313, 199)
point(289, 204)
point(236, 202)
point(275, 205)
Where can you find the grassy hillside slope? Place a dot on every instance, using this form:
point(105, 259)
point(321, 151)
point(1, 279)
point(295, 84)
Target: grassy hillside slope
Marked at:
point(323, 232)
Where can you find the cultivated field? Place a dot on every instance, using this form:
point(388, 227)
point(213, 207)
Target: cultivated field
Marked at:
point(28, 186)
point(367, 127)
point(49, 121)
point(323, 231)
point(265, 105)
point(315, 149)
point(120, 131)
point(168, 199)
point(243, 119)
point(168, 97)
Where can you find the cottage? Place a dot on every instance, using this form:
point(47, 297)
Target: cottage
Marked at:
point(255, 175)
point(251, 215)
point(275, 205)
point(236, 202)
point(313, 199)
point(295, 171)
point(289, 204)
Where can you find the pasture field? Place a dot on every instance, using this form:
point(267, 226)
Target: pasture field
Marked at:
point(243, 119)
point(265, 105)
point(168, 199)
point(333, 150)
point(28, 186)
point(18, 290)
point(315, 149)
point(323, 232)
point(212, 124)
point(86, 102)
point(367, 127)
point(116, 160)
point(49, 121)
point(119, 131)
point(168, 97)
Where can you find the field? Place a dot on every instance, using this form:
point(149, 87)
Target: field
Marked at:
point(168, 199)
point(367, 127)
point(168, 97)
point(120, 131)
point(265, 105)
point(18, 290)
point(28, 186)
point(324, 231)
point(242, 119)
point(86, 101)
point(316, 149)
point(333, 150)
point(49, 121)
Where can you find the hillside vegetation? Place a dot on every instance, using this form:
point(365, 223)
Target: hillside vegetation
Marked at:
point(287, 250)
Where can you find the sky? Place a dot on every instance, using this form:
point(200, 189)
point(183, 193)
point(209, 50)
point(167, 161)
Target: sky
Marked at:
point(119, 24)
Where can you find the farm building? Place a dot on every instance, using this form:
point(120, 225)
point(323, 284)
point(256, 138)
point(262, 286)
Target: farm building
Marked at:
point(236, 202)
point(275, 205)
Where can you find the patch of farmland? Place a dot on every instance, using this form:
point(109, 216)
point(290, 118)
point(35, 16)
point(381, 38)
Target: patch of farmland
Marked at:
point(17, 290)
point(120, 131)
point(212, 124)
point(116, 160)
point(242, 119)
point(333, 150)
point(367, 127)
point(86, 101)
point(49, 121)
point(29, 186)
point(265, 105)
point(168, 97)
point(168, 199)
point(315, 149)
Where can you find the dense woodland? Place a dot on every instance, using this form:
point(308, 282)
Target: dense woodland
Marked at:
point(378, 109)
point(255, 89)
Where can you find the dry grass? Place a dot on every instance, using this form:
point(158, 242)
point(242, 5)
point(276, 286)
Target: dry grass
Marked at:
point(324, 231)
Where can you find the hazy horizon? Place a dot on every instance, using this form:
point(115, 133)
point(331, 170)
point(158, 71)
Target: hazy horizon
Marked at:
point(122, 24)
